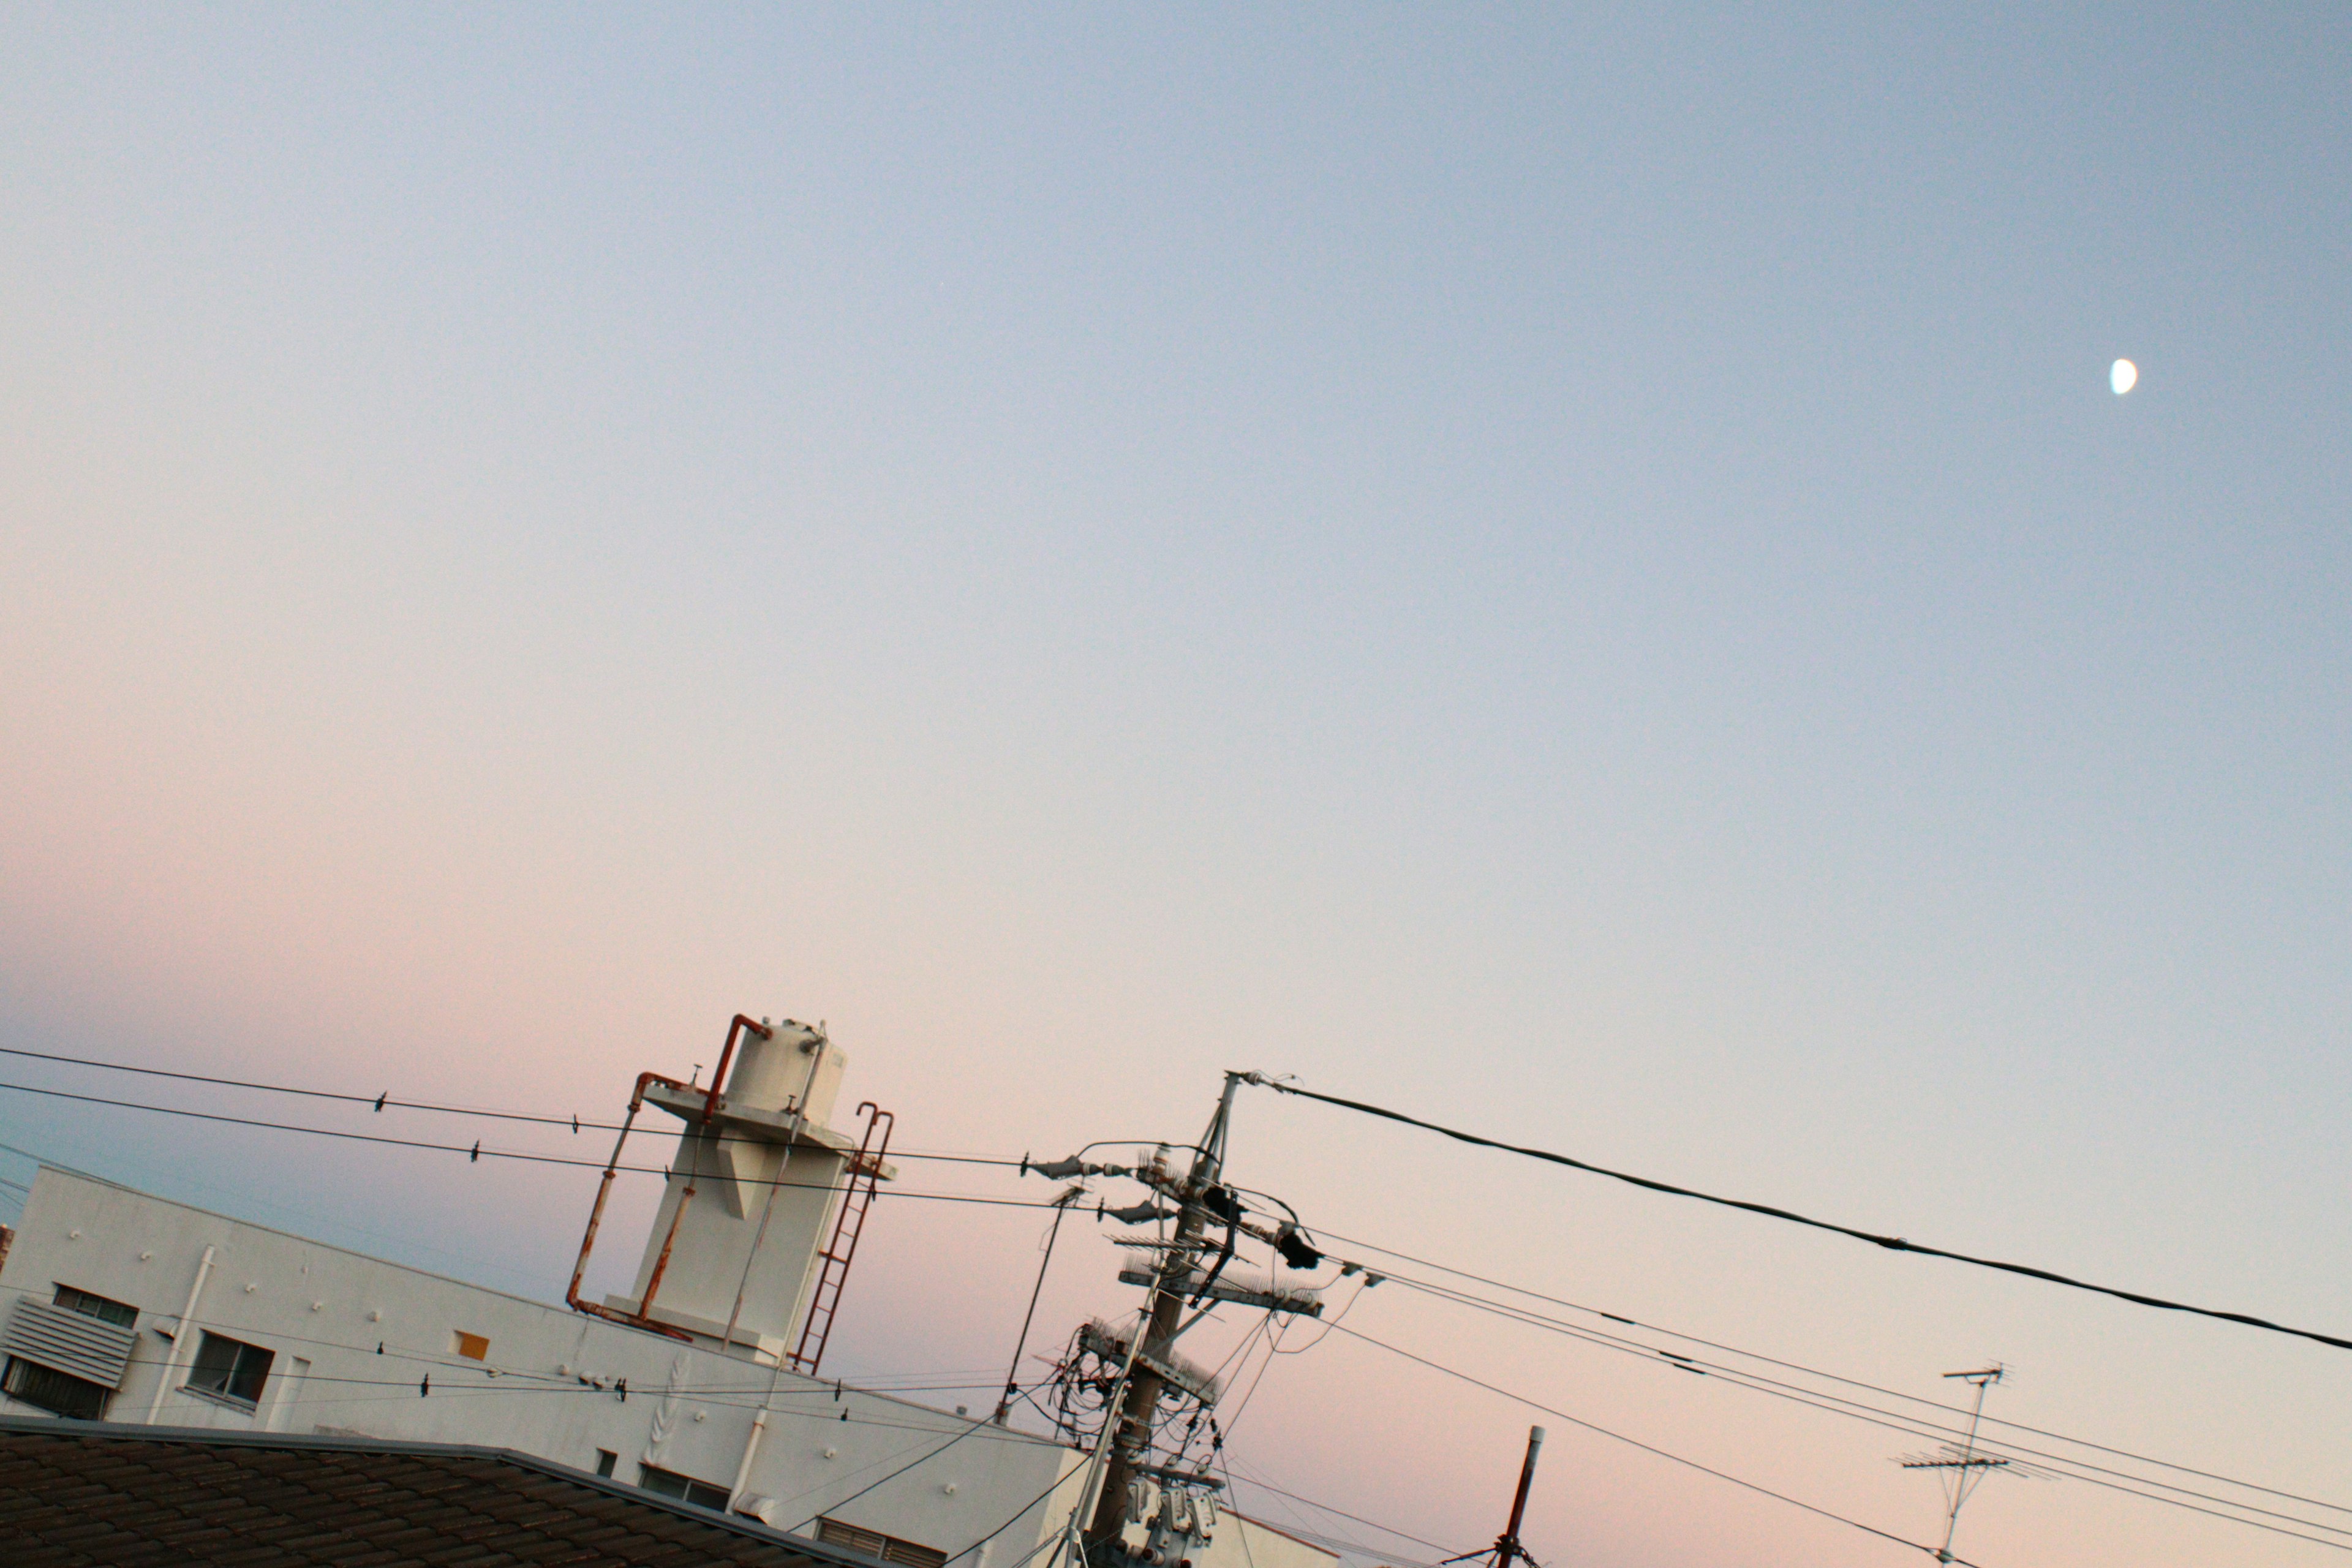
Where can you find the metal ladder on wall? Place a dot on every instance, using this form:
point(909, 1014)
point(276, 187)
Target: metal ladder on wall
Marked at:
point(832, 1272)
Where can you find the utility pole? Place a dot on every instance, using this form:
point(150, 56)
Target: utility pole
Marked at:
point(1130, 1441)
point(1960, 1469)
point(1507, 1549)
point(1182, 1278)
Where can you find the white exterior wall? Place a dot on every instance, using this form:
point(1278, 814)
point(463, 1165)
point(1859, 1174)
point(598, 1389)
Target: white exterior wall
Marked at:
point(688, 1410)
point(321, 1311)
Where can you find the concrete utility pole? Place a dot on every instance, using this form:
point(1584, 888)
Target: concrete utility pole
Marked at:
point(1962, 1468)
point(1130, 1443)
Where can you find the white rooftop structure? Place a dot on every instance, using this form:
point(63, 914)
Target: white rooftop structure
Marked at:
point(131, 1308)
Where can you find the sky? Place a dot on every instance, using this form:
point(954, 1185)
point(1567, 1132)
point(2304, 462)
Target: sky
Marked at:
point(1573, 573)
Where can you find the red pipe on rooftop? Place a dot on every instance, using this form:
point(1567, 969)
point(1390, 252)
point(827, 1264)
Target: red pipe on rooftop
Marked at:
point(642, 1317)
point(709, 1108)
point(596, 1217)
point(734, 1033)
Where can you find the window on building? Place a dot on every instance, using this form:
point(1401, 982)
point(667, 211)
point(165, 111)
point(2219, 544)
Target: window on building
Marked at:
point(473, 1347)
point(669, 1483)
point(605, 1460)
point(54, 1392)
point(874, 1543)
point(121, 1313)
point(230, 1370)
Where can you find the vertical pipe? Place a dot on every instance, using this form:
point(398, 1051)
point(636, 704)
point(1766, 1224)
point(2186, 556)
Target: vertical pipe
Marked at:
point(751, 1451)
point(596, 1216)
point(799, 1120)
point(1509, 1547)
point(743, 1286)
point(758, 1430)
point(734, 1032)
point(661, 1264)
point(603, 1190)
point(180, 1337)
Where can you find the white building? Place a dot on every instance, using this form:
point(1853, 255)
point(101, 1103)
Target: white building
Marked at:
point(131, 1308)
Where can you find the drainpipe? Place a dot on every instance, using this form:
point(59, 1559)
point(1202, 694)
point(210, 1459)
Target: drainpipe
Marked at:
point(751, 1451)
point(180, 1337)
point(751, 1444)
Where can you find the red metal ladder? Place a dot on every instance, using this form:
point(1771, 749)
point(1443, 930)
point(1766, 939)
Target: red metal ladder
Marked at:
point(865, 1175)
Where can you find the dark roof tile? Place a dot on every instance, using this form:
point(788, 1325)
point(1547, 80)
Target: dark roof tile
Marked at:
point(75, 1494)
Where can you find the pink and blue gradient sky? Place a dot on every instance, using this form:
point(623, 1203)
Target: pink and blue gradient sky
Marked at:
point(1576, 573)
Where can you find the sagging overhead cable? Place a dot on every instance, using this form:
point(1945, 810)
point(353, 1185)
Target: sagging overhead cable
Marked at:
point(1892, 1243)
point(477, 1151)
point(378, 1102)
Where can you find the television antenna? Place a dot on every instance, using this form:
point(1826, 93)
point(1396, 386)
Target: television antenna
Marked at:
point(1961, 1466)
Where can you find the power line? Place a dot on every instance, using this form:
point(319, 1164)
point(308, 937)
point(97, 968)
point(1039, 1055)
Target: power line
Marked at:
point(478, 1153)
point(538, 1382)
point(1273, 1336)
point(415, 1390)
point(1647, 1448)
point(381, 1103)
point(894, 1475)
point(1814, 1372)
point(1892, 1243)
point(2058, 1466)
point(1764, 1386)
point(1227, 1459)
point(1052, 1487)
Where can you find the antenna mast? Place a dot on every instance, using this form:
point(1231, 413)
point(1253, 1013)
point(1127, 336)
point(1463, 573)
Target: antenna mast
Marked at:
point(1507, 1549)
point(1960, 1469)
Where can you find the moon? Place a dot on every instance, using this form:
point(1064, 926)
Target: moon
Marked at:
point(2123, 376)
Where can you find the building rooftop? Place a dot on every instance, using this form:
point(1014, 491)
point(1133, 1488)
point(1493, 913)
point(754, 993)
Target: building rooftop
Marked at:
point(91, 1494)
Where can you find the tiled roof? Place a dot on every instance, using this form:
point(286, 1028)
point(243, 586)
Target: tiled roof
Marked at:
point(76, 1493)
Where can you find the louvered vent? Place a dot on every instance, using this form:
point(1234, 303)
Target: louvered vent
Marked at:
point(69, 1342)
point(874, 1543)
